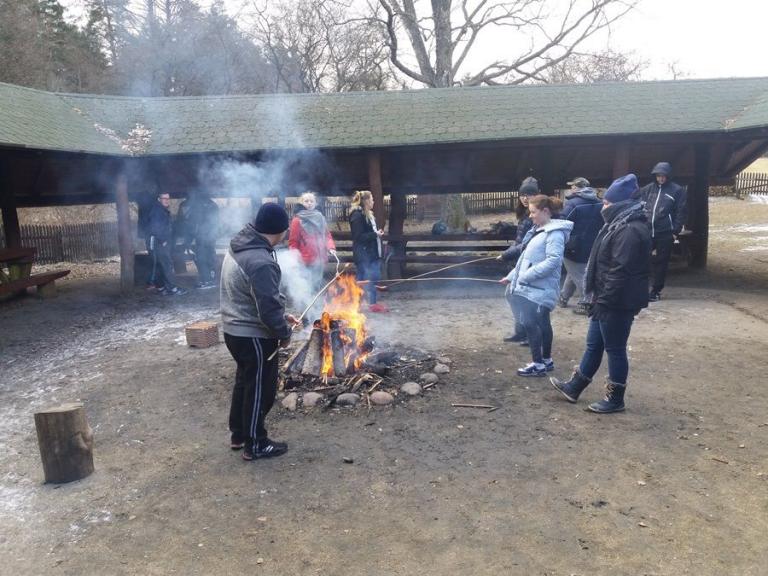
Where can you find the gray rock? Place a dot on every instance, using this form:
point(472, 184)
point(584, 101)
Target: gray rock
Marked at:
point(312, 399)
point(441, 369)
point(429, 378)
point(381, 398)
point(290, 401)
point(444, 360)
point(411, 388)
point(347, 399)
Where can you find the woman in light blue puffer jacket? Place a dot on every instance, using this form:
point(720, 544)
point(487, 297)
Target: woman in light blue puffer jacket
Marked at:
point(534, 283)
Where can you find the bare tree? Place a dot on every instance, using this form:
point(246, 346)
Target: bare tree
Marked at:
point(605, 66)
point(440, 37)
point(317, 46)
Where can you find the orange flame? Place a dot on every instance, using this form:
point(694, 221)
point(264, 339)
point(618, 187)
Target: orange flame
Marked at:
point(342, 304)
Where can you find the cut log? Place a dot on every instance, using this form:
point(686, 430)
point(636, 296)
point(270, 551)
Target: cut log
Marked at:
point(66, 443)
point(337, 347)
point(313, 361)
point(296, 361)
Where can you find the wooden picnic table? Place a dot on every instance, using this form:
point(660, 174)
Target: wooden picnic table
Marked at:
point(19, 276)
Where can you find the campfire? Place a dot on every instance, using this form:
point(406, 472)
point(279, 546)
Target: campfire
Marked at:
point(340, 363)
point(339, 344)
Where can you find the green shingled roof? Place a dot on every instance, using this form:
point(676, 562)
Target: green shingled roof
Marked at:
point(42, 120)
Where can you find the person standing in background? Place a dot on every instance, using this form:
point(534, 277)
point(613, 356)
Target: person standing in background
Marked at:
point(666, 208)
point(310, 237)
point(160, 239)
point(366, 246)
point(582, 207)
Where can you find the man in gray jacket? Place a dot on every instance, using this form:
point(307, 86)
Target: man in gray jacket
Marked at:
point(255, 324)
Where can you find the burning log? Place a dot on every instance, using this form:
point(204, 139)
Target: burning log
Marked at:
point(296, 361)
point(313, 361)
point(337, 349)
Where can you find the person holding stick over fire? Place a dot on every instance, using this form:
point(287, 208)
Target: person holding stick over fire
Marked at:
point(617, 279)
point(255, 325)
point(533, 285)
point(366, 246)
point(528, 189)
point(310, 237)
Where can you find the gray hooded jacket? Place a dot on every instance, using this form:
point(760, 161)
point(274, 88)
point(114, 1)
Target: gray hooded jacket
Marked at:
point(251, 303)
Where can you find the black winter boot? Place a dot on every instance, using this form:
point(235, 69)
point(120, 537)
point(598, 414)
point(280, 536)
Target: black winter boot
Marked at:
point(613, 401)
point(573, 387)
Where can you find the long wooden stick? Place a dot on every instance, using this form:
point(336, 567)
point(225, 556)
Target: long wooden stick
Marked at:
point(396, 282)
point(486, 406)
point(323, 290)
point(414, 279)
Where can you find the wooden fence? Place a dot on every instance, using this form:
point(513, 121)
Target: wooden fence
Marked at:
point(336, 208)
point(751, 183)
point(70, 242)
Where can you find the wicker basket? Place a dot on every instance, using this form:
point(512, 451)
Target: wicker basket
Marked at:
point(202, 334)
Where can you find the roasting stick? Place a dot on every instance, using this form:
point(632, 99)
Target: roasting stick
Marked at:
point(446, 268)
point(323, 290)
point(414, 279)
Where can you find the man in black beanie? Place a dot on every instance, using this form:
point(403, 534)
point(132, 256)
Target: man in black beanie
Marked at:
point(255, 324)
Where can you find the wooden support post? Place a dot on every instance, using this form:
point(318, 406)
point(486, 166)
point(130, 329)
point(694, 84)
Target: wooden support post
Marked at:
point(376, 188)
point(11, 226)
point(66, 443)
point(124, 235)
point(545, 175)
point(698, 208)
point(398, 210)
point(621, 160)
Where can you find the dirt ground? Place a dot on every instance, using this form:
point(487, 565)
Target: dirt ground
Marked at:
point(676, 485)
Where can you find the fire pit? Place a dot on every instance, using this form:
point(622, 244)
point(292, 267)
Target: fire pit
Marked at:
point(338, 344)
point(341, 359)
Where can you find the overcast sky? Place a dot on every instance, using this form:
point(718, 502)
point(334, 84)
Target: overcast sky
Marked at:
point(706, 38)
point(703, 38)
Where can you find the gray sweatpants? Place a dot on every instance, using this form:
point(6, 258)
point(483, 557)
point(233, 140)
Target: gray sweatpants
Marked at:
point(574, 280)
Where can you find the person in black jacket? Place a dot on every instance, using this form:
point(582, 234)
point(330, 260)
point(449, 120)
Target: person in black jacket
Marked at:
point(665, 207)
point(255, 324)
point(160, 241)
point(528, 189)
point(582, 207)
point(366, 246)
point(617, 277)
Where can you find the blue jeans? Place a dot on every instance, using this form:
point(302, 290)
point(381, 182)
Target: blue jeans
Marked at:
point(609, 336)
point(538, 328)
point(369, 271)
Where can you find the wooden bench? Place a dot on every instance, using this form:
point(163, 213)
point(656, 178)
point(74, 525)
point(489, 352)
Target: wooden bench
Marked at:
point(429, 248)
point(46, 284)
point(19, 276)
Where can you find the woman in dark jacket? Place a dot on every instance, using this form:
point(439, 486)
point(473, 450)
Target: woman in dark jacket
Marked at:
point(616, 277)
point(366, 246)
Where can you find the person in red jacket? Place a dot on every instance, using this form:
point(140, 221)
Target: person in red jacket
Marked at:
point(310, 237)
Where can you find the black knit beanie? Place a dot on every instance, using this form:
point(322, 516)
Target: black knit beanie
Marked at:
point(271, 219)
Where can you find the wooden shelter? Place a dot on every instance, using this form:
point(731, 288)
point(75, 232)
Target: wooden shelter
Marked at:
point(66, 149)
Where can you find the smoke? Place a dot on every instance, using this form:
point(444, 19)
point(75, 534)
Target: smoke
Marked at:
point(296, 280)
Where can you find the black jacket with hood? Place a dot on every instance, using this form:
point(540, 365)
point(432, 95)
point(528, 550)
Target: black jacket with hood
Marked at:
point(665, 205)
point(583, 209)
point(620, 261)
point(251, 303)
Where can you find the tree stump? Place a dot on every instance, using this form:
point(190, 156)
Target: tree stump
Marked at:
point(66, 443)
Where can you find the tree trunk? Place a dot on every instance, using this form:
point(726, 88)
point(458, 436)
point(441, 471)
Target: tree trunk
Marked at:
point(66, 443)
